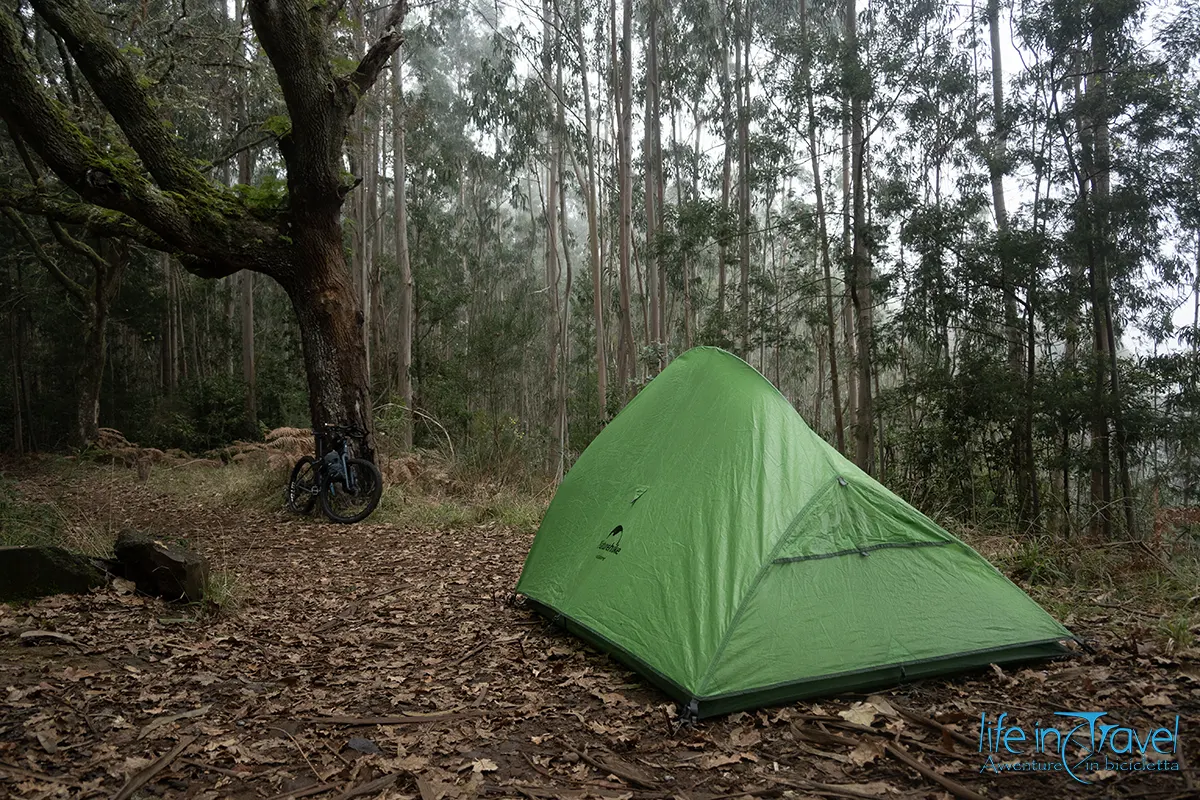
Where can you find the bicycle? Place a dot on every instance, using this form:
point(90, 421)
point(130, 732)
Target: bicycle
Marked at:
point(347, 487)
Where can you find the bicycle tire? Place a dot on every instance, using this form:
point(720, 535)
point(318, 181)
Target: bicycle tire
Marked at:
point(365, 473)
point(304, 476)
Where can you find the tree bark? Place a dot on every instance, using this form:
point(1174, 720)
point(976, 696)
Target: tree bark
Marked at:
point(331, 325)
point(742, 87)
point(1098, 91)
point(249, 370)
point(1020, 434)
point(399, 181)
point(858, 87)
point(727, 128)
point(625, 169)
point(822, 230)
point(592, 220)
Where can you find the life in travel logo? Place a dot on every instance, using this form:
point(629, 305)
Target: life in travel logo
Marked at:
point(1087, 744)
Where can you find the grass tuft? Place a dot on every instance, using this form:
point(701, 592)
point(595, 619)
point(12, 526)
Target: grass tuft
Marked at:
point(224, 593)
point(25, 522)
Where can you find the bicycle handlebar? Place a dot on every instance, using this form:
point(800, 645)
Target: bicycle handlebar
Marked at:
point(349, 430)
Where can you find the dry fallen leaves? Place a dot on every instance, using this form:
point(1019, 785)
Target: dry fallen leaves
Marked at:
point(413, 643)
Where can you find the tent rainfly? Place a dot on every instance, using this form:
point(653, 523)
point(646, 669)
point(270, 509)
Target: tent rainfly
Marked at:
point(715, 544)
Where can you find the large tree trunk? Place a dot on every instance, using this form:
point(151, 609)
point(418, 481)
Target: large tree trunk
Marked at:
point(848, 249)
point(742, 63)
point(89, 378)
point(727, 129)
point(1020, 433)
point(593, 223)
point(249, 370)
point(331, 326)
point(108, 266)
point(625, 125)
point(651, 156)
point(18, 418)
point(864, 430)
point(1098, 85)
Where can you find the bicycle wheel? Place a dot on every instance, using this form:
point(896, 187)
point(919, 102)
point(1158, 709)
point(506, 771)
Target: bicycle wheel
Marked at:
point(301, 488)
point(344, 505)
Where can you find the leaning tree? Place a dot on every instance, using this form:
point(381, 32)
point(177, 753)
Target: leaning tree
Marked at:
point(147, 188)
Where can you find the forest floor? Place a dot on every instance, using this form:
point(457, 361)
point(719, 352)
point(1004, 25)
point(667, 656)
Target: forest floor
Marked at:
point(391, 660)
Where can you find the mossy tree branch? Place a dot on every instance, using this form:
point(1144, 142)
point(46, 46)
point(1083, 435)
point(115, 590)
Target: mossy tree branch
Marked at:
point(100, 221)
point(210, 229)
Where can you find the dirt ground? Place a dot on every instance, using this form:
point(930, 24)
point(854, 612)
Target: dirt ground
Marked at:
point(374, 661)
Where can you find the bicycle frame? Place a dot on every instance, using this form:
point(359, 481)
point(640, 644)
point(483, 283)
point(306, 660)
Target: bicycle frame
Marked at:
point(341, 447)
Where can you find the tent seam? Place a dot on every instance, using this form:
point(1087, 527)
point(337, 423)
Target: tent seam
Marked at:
point(758, 578)
point(860, 551)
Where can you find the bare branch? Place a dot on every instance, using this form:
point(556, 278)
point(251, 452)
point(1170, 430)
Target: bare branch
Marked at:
point(235, 151)
point(73, 288)
point(82, 248)
point(377, 57)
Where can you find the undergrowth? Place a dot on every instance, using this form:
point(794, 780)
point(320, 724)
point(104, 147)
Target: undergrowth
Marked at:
point(255, 487)
point(24, 521)
point(408, 509)
point(27, 522)
point(1083, 576)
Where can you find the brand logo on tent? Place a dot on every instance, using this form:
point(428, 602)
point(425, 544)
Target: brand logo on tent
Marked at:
point(612, 542)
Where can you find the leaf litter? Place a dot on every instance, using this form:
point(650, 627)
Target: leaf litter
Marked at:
point(378, 661)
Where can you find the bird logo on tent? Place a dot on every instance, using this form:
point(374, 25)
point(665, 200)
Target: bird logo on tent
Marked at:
point(612, 542)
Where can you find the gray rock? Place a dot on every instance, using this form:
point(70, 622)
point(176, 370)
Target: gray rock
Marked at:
point(164, 570)
point(27, 573)
point(363, 745)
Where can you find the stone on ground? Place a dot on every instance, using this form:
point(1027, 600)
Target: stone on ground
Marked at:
point(161, 569)
point(27, 573)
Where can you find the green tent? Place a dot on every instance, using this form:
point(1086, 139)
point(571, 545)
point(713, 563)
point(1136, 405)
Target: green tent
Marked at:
point(709, 539)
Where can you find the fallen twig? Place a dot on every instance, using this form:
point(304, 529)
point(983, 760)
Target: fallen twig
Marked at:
point(620, 771)
point(370, 787)
point(62, 698)
point(473, 651)
point(824, 737)
point(545, 773)
point(769, 791)
point(826, 789)
point(930, 722)
point(303, 755)
point(158, 722)
point(838, 722)
point(157, 766)
point(954, 787)
point(307, 791)
point(407, 719)
point(29, 636)
point(213, 768)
